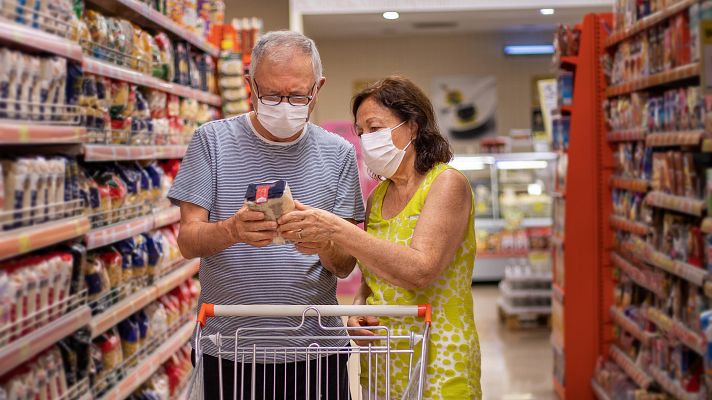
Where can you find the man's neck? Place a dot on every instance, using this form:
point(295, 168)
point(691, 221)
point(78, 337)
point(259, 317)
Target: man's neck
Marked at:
point(262, 131)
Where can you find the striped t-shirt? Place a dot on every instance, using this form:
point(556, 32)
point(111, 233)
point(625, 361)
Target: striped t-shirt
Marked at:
point(223, 158)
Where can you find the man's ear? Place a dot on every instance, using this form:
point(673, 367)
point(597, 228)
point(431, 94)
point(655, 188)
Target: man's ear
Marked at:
point(321, 83)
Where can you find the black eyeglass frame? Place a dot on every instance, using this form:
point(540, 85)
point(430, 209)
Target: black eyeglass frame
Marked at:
point(289, 98)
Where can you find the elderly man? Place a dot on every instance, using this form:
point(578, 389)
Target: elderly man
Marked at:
point(239, 265)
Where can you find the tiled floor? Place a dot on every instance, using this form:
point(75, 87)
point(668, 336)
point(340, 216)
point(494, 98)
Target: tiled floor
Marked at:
point(516, 365)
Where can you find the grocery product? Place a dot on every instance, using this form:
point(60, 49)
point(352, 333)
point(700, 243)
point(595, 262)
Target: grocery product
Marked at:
point(274, 199)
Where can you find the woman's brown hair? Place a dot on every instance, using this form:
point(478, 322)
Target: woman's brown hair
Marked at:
point(409, 103)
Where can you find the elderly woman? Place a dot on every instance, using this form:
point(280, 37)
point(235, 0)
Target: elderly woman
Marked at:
point(419, 243)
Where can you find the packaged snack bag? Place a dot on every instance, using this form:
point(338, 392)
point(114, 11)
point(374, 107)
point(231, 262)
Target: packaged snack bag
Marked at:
point(274, 199)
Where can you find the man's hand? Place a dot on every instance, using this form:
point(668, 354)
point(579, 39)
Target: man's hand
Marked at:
point(250, 227)
point(354, 322)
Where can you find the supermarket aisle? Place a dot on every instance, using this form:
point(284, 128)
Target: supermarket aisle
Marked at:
point(515, 365)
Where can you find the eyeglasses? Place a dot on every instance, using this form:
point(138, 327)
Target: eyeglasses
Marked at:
point(273, 100)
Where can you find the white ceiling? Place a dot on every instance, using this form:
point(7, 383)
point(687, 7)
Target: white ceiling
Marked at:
point(420, 17)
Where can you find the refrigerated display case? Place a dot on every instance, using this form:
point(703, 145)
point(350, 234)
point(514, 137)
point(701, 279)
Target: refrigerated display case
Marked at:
point(513, 210)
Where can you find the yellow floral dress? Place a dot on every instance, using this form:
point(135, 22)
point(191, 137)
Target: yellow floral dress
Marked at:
point(453, 370)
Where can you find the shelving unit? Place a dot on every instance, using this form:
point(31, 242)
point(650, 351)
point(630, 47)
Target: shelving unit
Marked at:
point(630, 326)
point(663, 78)
point(598, 391)
point(630, 184)
point(37, 40)
point(635, 372)
point(648, 22)
point(668, 139)
point(28, 346)
point(31, 133)
point(24, 240)
point(122, 310)
point(148, 366)
point(681, 204)
point(632, 135)
point(147, 17)
point(100, 153)
point(62, 134)
point(102, 68)
point(577, 316)
point(623, 224)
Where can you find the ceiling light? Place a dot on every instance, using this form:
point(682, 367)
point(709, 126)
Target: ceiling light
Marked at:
point(528, 50)
point(391, 15)
point(547, 11)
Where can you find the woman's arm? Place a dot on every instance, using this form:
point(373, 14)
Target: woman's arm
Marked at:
point(439, 232)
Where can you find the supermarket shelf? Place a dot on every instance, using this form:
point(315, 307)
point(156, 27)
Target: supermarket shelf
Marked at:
point(678, 330)
point(98, 67)
point(663, 78)
point(147, 17)
point(598, 391)
point(634, 371)
point(647, 253)
point(12, 132)
point(567, 62)
point(99, 152)
point(630, 326)
point(558, 293)
point(647, 22)
point(123, 230)
point(20, 241)
point(507, 291)
point(631, 184)
point(626, 225)
point(30, 345)
point(38, 40)
point(122, 310)
point(667, 139)
point(148, 366)
point(631, 135)
point(671, 202)
point(707, 225)
point(511, 310)
point(165, 217)
point(637, 276)
point(671, 386)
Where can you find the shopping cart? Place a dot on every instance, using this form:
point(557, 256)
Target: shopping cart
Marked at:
point(376, 355)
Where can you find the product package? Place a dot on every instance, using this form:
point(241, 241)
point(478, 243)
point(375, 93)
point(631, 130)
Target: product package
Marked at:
point(274, 199)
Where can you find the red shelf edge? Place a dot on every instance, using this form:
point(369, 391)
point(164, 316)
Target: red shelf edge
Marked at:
point(24, 240)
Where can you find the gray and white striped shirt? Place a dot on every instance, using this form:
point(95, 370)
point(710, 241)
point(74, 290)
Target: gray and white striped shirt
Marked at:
point(223, 158)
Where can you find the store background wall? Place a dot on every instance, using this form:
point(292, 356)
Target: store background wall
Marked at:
point(274, 13)
point(422, 58)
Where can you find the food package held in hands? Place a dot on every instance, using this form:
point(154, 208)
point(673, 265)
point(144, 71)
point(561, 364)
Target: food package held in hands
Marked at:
point(274, 199)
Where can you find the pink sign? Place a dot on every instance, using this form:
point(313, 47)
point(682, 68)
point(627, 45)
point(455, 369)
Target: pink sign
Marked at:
point(346, 130)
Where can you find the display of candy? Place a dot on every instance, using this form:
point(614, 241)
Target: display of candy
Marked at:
point(673, 110)
point(567, 41)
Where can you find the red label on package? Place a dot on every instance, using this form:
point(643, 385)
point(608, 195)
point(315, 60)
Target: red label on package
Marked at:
point(261, 194)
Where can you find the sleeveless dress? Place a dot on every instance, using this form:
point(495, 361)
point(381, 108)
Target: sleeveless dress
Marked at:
point(453, 368)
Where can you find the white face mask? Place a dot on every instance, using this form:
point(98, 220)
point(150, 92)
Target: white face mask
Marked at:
point(283, 120)
point(380, 154)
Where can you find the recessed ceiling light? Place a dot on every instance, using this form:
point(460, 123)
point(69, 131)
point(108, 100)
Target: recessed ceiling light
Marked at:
point(547, 11)
point(391, 15)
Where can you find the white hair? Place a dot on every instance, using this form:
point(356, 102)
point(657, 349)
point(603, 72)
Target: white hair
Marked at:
point(281, 45)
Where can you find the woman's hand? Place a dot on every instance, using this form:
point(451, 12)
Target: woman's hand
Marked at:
point(309, 226)
point(355, 322)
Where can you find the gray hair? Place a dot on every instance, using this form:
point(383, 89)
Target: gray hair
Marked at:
point(281, 45)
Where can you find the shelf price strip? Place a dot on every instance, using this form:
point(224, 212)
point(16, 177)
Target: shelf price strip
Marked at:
point(31, 133)
point(634, 371)
point(114, 233)
point(638, 276)
point(633, 185)
point(676, 203)
point(676, 329)
point(677, 74)
point(623, 224)
point(645, 252)
point(671, 386)
point(632, 135)
point(665, 139)
point(630, 326)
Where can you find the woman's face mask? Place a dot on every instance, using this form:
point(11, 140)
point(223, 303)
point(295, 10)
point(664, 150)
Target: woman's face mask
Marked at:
point(380, 153)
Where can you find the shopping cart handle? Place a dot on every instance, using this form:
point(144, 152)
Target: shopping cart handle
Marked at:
point(280, 310)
